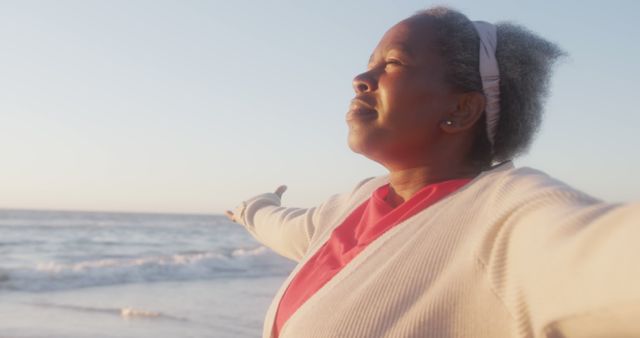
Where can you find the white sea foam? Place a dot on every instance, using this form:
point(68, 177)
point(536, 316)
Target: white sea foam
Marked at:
point(125, 312)
point(239, 262)
point(128, 312)
point(131, 313)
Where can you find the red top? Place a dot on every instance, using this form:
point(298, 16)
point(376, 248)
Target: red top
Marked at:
point(366, 223)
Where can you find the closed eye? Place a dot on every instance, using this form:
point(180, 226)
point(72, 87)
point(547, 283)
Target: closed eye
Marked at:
point(393, 62)
point(388, 62)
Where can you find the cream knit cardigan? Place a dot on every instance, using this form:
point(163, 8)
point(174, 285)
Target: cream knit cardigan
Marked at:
point(514, 253)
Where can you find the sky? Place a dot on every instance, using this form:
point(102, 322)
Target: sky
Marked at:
point(193, 106)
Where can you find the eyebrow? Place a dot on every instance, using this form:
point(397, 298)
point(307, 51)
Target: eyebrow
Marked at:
point(402, 47)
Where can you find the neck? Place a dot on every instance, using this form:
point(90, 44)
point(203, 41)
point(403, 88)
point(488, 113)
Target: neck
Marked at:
point(405, 183)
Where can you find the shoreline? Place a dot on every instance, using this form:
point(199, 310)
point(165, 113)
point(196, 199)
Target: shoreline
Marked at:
point(225, 307)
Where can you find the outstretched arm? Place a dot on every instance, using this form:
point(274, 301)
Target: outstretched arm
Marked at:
point(568, 267)
point(287, 231)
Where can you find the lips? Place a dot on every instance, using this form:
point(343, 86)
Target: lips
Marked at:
point(360, 111)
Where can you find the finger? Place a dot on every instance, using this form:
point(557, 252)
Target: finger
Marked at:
point(230, 215)
point(281, 189)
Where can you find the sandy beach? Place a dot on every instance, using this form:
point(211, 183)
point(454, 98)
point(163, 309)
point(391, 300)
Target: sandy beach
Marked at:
point(215, 308)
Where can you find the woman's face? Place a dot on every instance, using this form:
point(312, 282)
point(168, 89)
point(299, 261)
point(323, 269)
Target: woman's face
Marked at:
point(402, 100)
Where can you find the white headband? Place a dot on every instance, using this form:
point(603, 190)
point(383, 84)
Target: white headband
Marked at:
point(490, 75)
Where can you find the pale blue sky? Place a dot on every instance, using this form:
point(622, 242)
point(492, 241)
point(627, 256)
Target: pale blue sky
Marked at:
point(192, 106)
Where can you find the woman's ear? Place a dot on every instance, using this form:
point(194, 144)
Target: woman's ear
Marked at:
point(468, 110)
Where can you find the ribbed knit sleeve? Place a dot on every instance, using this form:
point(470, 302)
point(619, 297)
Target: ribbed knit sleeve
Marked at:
point(563, 263)
point(290, 231)
point(287, 231)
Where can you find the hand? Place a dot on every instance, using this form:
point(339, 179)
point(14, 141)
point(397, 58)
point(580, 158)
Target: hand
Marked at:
point(279, 191)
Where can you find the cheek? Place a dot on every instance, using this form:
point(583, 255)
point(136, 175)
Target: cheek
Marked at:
point(411, 104)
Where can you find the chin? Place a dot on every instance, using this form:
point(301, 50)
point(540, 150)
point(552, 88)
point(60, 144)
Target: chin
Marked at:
point(360, 144)
point(372, 146)
point(356, 144)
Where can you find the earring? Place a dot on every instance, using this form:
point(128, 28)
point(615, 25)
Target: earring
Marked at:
point(448, 122)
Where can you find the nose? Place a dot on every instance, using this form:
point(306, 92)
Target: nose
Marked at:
point(364, 82)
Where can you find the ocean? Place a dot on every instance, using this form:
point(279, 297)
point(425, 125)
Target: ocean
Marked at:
point(89, 274)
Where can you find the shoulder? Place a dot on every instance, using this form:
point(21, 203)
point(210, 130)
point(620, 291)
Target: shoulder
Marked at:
point(358, 194)
point(508, 185)
point(337, 207)
point(369, 184)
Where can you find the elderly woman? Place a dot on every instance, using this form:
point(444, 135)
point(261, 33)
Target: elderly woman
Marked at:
point(454, 241)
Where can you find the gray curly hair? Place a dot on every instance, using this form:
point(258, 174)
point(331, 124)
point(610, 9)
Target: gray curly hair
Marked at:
point(525, 62)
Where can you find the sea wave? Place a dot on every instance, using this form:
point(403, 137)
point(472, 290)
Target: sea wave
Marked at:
point(124, 312)
point(236, 262)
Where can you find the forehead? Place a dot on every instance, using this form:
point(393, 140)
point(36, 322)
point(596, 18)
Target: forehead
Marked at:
point(413, 35)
